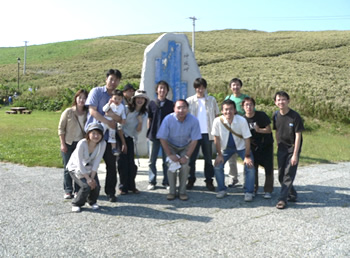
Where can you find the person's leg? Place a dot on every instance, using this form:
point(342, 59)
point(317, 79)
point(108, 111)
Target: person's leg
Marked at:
point(94, 193)
point(132, 168)
point(219, 170)
point(208, 156)
point(172, 182)
point(165, 168)
point(249, 173)
point(256, 185)
point(286, 175)
point(268, 166)
point(83, 192)
point(154, 147)
point(192, 165)
point(183, 174)
point(233, 173)
point(67, 179)
point(111, 171)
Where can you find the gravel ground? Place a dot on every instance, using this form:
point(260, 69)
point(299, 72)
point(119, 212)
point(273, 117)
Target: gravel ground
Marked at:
point(35, 220)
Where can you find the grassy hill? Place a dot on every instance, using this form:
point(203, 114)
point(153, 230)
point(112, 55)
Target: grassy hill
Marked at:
point(312, 66)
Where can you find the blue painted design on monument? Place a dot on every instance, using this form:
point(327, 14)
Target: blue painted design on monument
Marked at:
point(168, 68)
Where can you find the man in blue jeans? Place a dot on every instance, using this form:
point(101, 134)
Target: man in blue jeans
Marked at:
point(232, 135)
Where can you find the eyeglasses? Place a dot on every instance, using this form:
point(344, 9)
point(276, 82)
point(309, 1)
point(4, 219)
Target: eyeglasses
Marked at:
point(141, 91)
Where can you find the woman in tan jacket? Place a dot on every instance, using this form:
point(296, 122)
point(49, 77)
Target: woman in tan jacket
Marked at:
point(70, 131)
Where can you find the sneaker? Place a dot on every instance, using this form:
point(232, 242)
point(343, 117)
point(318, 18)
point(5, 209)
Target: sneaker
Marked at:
point(267, 196)
point(76, 209)
point(234, 183)
point(183, 197)
point(167, 187)
point(221, 194)
point(75, 194)
point(248, 197)
point(94, 206)
point(115, 152)
point(151, 187)
point(67, 196)
point(170, 197)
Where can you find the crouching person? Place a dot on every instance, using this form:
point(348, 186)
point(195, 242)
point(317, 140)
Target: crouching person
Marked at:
point(83, 165)
point(231, 135)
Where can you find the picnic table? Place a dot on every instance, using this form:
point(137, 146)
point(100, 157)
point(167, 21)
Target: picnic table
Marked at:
point(18, 109)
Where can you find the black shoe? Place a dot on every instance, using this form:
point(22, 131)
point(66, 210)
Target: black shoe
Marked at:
point(190, 184)
point(210, 185)
point(112, 198)
point(234, 183)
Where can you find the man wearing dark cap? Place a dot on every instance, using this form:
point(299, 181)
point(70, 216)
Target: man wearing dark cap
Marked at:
point(128, 93)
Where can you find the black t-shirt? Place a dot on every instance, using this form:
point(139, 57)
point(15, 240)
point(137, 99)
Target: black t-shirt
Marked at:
point(286, 126)
point(261, 120)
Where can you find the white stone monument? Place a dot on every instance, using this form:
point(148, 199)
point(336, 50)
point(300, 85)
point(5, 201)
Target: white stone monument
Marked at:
point(171, 59)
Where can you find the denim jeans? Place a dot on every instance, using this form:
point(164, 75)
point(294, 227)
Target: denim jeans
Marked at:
point(248, 172)
point(67, 179)
point(206, 145)
point(154, 146)
point(85, 194)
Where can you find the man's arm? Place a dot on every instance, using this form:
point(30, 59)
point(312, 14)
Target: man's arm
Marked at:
point(297, 142)
point(93, 111)
point(219, 158)
point(167, 150)
point(266, 129)
point(247, 159)
point(189, 152)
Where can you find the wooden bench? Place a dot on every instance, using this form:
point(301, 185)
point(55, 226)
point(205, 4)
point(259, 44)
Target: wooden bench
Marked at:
point(11, 112)
point(28, 112)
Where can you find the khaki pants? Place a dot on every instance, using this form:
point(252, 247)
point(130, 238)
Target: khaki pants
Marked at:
point(233, 167)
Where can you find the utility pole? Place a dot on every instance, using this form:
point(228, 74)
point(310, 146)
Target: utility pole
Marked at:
point(193, 32)
point(18, 62)
point(25, 57)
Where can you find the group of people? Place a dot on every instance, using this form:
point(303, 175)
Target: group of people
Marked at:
point(105, 123)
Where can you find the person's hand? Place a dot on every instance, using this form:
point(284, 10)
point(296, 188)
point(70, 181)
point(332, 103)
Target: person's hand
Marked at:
point(248, 161)
point(174, 158)
point(112, 124)
point(183, 160)
point(139, 119)
point(294, 160)
point(92, 183)
point(64, 148)
point(219, 160)
point(124, 148)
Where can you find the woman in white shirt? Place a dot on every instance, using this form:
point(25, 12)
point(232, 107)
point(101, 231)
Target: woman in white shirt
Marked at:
point(83, 165)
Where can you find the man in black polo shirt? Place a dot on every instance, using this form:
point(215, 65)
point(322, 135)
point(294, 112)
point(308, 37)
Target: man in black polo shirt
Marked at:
point(261, 144)
point(289, 126)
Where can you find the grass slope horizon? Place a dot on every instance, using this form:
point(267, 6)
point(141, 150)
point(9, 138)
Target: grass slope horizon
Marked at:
point(313, 67)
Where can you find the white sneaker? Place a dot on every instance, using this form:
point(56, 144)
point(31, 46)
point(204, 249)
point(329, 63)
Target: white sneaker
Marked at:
point(267, 196)
point(248, 197)
point(94, 206)
point(76, 209)
point(67, 196)
point(221, 194)
point(151, 187)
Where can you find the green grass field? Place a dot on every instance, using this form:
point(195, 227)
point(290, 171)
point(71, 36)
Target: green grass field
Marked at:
point(32, 140)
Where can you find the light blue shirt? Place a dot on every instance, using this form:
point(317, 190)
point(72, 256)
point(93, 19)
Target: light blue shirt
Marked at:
point(178, 133)
point(98, 97)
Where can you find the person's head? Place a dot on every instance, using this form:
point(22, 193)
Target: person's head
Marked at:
point(162, 89)
point(139, 101)
point(236, 85)
point(248, 105)
point(281, 99)
point(128, 91)
point(117, 97)
point(228, 109)
point(94, 132)
point(200, 86)
point(181, 109)
point(113, 77)
point(80, 98)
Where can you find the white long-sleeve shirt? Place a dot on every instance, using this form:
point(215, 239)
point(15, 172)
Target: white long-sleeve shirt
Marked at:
point(81, 162)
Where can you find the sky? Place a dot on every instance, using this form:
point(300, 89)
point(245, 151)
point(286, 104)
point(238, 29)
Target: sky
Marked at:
point(47, 21)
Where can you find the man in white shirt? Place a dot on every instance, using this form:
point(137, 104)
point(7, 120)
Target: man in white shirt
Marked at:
point(205, 108)
point(232, 135)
